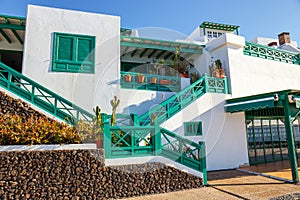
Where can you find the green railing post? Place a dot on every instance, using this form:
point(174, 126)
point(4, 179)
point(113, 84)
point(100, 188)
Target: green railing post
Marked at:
point(225, 80)
point(203, 162)
point(180, 148)
point(135, 119)
point(290, 139)
point(106, 139)
point(157, 139)
point(206, 88)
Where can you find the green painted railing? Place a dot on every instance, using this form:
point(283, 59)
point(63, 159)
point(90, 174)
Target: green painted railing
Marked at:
point(128, 141)
point(261, 51)
point(184, 151)
point(137, 141)
point(182, 99)
point(130, 80)
point(40, 96)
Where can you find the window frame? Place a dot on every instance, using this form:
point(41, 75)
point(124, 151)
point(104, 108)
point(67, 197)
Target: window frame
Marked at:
point(74, 52)
point(199, 131)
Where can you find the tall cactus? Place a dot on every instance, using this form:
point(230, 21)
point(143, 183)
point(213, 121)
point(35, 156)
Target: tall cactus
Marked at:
point(114, 103)
point(98, 114)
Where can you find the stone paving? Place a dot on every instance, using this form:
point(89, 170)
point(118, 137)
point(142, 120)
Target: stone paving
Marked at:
point(232, 184)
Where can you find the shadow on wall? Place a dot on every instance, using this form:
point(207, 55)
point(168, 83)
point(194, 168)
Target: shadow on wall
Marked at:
point(156, 98)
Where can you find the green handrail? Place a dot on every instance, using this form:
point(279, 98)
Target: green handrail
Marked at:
point(262, 51)
point(40, 96)
point(174, 104)
point(184, 151)
point(124, 141)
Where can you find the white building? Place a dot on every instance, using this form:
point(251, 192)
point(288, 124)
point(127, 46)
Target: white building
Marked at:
point(86, 59)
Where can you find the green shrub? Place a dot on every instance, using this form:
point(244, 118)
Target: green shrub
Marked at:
point(15, 130)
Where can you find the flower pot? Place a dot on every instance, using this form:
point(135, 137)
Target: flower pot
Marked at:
point(128, 78)
point(222, 73)
point(165, 82)
point(153, 80)
point(216, 73)
point(141, 78)
point(99, 144)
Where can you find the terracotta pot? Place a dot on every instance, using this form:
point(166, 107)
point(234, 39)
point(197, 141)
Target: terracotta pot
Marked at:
point(221, 73)
point(153, 80)
point(99, 143)
point(141, 78)
point(128, 78)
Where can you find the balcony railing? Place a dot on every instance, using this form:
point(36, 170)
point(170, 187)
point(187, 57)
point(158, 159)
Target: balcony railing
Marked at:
point(132, 80)
point(261, 51)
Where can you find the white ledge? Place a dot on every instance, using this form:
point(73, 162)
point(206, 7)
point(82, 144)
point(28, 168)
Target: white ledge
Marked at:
point(46, 147)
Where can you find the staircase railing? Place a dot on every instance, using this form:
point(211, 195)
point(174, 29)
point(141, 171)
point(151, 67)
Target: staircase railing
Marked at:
point(184, 151)
point(40, 96)
point(179, 101)
point(133, 141)
point(174, 104)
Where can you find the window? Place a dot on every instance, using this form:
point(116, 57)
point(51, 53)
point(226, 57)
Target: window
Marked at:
point(215, 34)
point(73, 53)
point(192, 128)
point(209, 34)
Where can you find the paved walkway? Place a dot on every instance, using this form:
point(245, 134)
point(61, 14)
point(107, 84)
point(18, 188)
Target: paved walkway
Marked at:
point(280, 169)
point(231, 184)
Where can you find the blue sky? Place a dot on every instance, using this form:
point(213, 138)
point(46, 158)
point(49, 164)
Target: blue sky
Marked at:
point(265, 18)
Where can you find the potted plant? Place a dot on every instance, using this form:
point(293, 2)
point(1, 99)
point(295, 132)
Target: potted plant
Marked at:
point(221, 73)
point(140, 78)
point(152, 80)
point(128, 78)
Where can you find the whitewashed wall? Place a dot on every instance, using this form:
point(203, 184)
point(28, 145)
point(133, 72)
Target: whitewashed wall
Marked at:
point(79, 88)
point(250, 75)
point(85, 90)
point(224, 134)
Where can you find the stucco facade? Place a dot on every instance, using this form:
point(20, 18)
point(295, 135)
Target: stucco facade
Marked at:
point(224, 133)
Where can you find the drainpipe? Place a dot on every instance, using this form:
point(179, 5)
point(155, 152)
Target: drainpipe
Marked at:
point(290, 139)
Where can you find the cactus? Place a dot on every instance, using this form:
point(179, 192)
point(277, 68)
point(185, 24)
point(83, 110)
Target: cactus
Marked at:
point(98, 114)
point(114, 103)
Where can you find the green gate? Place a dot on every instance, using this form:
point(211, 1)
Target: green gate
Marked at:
point(266, 134)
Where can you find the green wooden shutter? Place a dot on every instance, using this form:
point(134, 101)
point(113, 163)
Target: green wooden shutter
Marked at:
point(84, 49)
point(73, 53)
point(65, 47)
point(192, 128)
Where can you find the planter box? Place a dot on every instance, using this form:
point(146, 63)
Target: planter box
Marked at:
point(165, 82)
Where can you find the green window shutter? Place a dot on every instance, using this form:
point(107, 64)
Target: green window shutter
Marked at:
point(192, 128)
point(65, 47)
point(84, 50)
point(73, 53)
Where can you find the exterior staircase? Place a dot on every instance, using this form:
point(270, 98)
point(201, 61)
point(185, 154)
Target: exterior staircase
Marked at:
point(40, 96)
point(161, 141)
point(182, 99)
